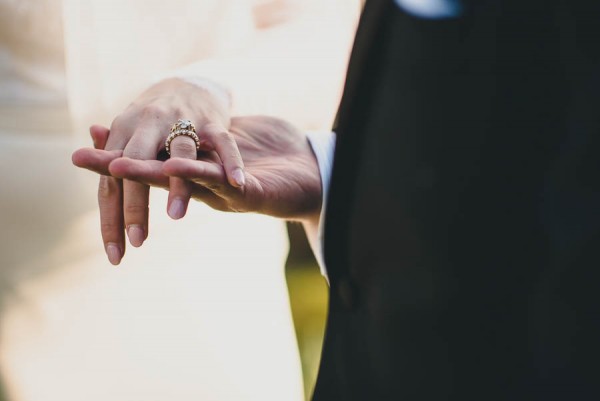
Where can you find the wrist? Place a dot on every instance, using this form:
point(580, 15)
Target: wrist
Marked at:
point(219, 93)
point(204, 92)
point(200, 104)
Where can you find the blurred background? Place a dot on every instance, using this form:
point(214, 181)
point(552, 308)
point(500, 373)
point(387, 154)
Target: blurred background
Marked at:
point(308, 300)
point(205, 309)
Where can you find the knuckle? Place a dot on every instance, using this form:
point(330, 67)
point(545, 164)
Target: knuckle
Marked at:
point(211, 128)
point(108, 227)
point(154, 111)
point(107, 187)
point(227, 143)
point(134, 153)
point(136, 210)
point(224, 136)
point(118, 123)
point(213, 131)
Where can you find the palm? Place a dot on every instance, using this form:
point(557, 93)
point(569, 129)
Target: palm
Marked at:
point(282, 177)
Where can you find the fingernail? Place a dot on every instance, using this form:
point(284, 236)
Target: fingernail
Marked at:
point(113, 251)
point(136, 235)
point(238, 177)
point(176, 209)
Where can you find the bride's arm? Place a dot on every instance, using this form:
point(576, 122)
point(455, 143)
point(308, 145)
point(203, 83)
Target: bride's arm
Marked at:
point(294, 67)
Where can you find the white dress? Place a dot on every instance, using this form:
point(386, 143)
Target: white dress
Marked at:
point(193, 314)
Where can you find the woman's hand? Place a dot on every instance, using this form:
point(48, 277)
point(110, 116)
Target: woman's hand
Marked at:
point(281, 173)
point(140, 132)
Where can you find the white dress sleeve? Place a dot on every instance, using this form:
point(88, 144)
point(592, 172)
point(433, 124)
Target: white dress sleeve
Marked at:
point(295, 65)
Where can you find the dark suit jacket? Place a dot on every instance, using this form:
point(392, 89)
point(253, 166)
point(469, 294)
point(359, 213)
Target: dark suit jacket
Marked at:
point(462, 237)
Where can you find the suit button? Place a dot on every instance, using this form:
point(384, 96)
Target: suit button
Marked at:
point(348, 293)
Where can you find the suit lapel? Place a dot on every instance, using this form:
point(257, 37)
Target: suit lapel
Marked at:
point(362, 48)
point(360, 81)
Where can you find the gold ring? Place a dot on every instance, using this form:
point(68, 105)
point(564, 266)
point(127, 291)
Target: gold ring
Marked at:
point(182, 127)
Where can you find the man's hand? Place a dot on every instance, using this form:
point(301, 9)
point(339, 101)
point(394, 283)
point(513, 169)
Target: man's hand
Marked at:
point(281, 173)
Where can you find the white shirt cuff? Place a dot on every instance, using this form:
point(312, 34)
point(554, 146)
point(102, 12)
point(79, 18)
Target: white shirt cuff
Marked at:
point(323, 146)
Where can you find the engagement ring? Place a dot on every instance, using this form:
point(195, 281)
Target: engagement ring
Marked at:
point(182, 127)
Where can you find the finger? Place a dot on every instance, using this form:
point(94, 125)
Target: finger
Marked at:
point(111, 218)
point(142, 146)
point(95, 160)
point(209, 175)
point(99, 136)
point(148, 172)
point(179, 189)
point(110, 189)
point(208, 181)
point(138, 136)
point(227, 149)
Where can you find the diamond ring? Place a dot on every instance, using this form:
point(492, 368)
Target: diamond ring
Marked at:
point(182, 127)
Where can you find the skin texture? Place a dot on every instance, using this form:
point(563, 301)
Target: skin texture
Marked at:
point(139, 132)
point(281, 173)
